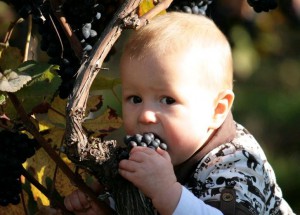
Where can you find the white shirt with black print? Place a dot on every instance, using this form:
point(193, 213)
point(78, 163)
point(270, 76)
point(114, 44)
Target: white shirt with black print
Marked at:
point(239, 164)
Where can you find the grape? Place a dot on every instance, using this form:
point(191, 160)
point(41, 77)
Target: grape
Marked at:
point(190, 6)
point(98, 15)
point(149, 140)
point(93, 33)
point(15, 148)
point(86, 30)
point(146, 140)
point(163, 146)
point(262, 5)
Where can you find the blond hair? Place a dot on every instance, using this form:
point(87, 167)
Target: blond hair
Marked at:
point(177, 32)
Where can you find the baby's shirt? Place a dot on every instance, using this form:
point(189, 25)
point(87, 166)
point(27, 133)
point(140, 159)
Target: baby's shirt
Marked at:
point(239, 165)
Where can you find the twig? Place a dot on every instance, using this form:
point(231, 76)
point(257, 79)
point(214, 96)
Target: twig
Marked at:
point(23, 202)
point(52, 190)
point(10, 29)
point(58, 36)
point(74, 41)
point(163, 5)
point(135, 22)
point(44, 190)
point(27, 45)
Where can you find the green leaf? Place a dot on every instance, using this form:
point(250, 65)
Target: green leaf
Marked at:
point(105, 83)
point(37, 70)
point(43, 86)
point(2, 99)
point(10, 58)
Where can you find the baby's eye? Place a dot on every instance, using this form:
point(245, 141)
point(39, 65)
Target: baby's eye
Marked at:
point(168, 100)
point(135, 99)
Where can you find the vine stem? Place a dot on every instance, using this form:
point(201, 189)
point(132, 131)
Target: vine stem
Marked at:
point(23, 202)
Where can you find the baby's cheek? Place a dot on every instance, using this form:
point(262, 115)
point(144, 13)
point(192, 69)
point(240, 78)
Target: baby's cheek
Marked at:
point(177, 157)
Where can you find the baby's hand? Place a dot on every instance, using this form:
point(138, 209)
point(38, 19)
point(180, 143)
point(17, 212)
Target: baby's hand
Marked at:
point(78, 203)
point(149, 170)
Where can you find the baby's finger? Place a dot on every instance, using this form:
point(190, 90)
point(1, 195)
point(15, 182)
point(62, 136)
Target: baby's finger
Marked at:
point(145, 150)
point(76, 201)
point(68, 202)
point(140, 155)
point(163, 153)
point(126, 174)
point(129, 165)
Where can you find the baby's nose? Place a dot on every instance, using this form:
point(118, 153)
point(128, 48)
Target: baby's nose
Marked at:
point(147, 117)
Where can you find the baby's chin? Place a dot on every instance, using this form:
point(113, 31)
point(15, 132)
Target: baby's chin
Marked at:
point(147, 139)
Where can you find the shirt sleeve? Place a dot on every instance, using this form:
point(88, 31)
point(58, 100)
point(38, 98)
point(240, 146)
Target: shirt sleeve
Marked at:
point(190, 204)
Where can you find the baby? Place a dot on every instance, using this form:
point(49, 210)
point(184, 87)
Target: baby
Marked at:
point(177, 83)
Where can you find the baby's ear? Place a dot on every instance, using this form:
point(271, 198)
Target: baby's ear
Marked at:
point(222, 108)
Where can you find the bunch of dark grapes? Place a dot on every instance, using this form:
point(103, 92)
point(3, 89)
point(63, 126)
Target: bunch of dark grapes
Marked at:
point(149, 140)
point(15, 148)
point(262, 5)
point(55, 43)
point(87, 20)
point(190, 6)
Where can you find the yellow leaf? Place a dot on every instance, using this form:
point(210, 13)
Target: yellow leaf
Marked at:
point(145, 6)
point(94, 103)
point(57, 112)
point(107, 121)
point(41, 166)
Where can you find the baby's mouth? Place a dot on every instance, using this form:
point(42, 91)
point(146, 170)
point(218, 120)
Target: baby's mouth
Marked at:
point(148, 139)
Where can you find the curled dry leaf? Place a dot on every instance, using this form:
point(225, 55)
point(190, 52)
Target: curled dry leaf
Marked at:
point(10, 81)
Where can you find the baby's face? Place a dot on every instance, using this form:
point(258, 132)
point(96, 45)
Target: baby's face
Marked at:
point(164, 96)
